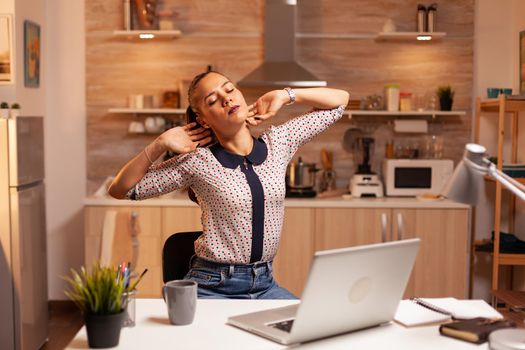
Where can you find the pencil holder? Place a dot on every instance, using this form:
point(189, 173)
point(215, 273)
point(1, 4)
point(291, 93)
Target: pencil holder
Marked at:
point(129, 297)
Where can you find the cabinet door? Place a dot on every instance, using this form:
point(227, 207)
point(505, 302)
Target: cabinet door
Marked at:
point(340, 228)
point(441, 265)
point(149, 249)
point(180, 219)
point(296, 249)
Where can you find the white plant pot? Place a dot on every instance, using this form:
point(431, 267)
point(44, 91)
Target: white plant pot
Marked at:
point(14, 113)
point(4, 113)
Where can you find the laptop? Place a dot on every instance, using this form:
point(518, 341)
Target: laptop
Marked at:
point(347, 289)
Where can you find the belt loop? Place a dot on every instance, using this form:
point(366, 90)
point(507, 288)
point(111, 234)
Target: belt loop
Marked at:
point(269, 264)
point(191, 261)
point(231, 270)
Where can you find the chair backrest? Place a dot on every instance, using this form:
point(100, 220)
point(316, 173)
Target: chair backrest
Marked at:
point(176, 254)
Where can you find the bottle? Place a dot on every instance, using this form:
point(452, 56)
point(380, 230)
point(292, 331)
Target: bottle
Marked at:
point(389, 149)
point(431, 16)
point(421, 18)
point(127, 15)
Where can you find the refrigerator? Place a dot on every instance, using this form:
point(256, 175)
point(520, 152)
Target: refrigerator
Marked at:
point(23, 263)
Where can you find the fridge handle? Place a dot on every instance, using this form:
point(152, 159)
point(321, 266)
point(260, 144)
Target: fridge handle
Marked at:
point(384, 223)
point(400, 226)
point(135, 244)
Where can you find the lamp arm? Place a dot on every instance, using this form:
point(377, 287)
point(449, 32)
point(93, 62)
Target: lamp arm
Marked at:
point(507, 181)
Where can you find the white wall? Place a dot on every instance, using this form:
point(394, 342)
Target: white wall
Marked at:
point(496, 55)
point(61, 100)
point(65, 140)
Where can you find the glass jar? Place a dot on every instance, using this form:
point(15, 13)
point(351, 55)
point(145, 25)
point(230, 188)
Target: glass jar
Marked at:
point(392, 97)
point(405, 101)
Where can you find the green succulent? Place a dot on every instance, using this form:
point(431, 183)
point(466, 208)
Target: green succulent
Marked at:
point(98, 291)
point(4, 105)
point(445, 92)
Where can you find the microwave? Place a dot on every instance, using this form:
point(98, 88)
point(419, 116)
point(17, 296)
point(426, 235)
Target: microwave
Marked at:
point(413, 177)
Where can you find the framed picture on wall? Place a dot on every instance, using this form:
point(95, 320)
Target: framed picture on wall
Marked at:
point(6, 50)
point(522, 62)
point(31, 54)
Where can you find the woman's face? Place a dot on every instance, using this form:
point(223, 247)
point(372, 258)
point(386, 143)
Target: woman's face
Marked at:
point(219, 104)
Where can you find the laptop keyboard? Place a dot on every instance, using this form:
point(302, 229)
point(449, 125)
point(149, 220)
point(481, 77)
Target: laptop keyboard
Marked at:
point(285, 326)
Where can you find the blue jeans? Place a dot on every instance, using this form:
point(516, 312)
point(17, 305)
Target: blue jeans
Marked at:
point(224, 281)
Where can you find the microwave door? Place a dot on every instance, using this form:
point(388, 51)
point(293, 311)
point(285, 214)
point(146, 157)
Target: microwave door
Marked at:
point(415, 177)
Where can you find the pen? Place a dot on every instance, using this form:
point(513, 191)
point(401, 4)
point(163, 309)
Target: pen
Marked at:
point(138, 279)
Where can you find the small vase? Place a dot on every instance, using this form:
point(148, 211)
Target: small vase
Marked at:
point(103, 331)
point(14, 113)
point(446, 104)
point(4, 113)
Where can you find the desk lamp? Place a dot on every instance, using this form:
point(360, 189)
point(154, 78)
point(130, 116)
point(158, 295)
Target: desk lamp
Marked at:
point(464, 186)
point(467, 180)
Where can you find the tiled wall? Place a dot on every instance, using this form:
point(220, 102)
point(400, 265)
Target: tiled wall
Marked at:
point(228, 35)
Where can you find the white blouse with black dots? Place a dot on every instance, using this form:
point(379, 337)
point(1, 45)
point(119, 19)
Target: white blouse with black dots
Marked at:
point(224, 195)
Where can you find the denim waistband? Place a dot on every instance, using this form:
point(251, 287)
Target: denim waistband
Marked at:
point(217, 266)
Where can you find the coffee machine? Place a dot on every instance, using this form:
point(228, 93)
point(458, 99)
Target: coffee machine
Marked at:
point(365, 183)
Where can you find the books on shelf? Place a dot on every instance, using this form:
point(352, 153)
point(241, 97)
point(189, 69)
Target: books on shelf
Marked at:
point(426, 311)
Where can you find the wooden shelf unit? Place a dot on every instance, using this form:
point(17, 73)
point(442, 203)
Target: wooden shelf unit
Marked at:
point(147, 110)
point(432, 114)
point(505, 109)
point(410, 36)
point(147, 34)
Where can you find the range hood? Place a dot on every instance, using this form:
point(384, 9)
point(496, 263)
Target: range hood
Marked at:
point(279, 68)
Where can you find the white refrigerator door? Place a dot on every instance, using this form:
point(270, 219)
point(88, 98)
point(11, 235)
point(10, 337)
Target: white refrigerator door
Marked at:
point(26, 150)
point(28, 232)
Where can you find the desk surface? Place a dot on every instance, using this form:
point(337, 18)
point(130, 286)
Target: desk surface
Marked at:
point(153, 331)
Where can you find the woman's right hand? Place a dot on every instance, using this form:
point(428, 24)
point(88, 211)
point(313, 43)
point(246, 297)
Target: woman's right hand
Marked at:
point(182, 139)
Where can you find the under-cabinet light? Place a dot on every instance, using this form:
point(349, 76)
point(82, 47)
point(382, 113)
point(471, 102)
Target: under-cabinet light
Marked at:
point(146, 36)
point(424, 37)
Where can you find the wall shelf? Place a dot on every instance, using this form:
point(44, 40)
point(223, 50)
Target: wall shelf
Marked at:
point(148, 34)
point(147, 110)
point(433, 114)
point(410, 36)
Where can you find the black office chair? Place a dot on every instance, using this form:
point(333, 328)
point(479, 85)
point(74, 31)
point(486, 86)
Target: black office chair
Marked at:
point(176, 254)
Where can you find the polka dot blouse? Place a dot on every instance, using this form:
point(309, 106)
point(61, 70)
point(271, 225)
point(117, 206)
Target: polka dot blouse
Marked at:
point(225, 189)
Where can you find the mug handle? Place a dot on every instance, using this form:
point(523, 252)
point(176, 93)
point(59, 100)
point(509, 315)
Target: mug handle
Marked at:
point(164, 293)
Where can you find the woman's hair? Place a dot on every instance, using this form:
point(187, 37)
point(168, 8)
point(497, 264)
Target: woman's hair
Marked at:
point(191, 115)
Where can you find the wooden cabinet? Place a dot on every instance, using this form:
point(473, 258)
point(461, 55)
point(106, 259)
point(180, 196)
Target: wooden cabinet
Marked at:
point(442, 262)
point(343, 227)
point(149, 239)
point(441, 267)
point(180, 219)
point(292, 263)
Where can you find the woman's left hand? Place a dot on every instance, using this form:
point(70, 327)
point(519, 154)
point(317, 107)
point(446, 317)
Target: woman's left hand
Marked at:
point(266, 106)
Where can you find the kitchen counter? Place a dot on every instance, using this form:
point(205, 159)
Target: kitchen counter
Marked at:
point(181, 200)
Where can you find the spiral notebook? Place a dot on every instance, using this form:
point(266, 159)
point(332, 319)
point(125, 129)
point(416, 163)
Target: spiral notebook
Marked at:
point(425, 311)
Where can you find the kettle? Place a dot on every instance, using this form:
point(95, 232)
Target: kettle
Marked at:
point(301, 175)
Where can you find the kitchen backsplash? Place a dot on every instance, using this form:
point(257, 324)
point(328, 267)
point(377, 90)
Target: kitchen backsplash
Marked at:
point(117, 68)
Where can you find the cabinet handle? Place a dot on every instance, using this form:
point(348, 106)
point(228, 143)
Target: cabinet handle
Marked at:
point(384, 223)
point(400, 226)
point(134, 225)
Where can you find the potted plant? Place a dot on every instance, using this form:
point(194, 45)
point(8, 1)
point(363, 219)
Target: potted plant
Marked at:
point(446, 97)
point(99, 295)
point(4, 110)
point(15, 110)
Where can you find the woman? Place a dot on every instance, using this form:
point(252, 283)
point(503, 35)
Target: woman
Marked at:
point(239, 181)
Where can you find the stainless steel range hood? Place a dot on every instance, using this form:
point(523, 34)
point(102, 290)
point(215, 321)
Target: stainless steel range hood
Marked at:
point(279, 68)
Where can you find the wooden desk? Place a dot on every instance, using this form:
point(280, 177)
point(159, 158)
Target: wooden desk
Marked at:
point(209, 331)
